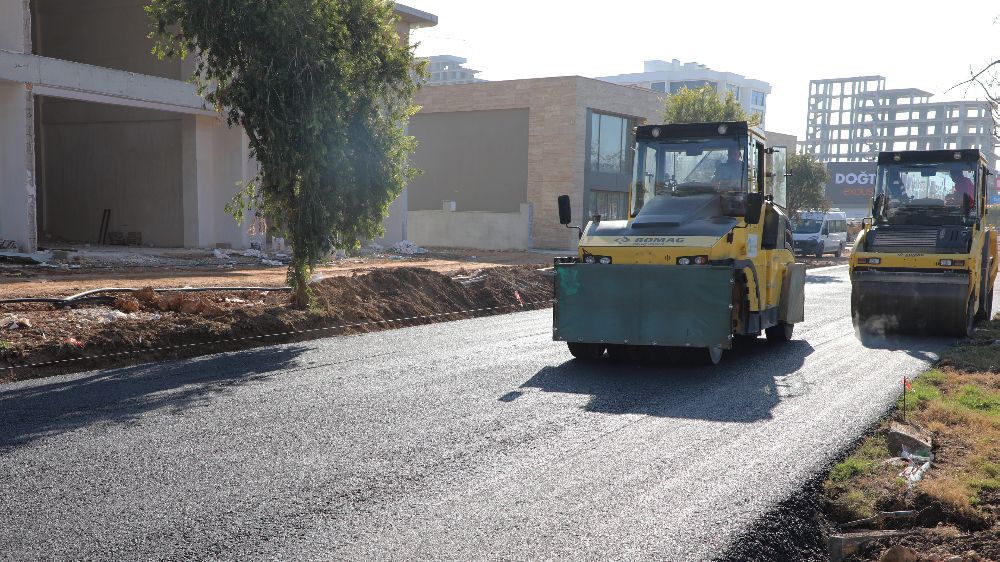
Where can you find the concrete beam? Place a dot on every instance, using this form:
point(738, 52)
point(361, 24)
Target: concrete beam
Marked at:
point(84, 82)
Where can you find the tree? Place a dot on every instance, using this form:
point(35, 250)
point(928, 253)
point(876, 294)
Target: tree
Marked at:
point(806, 185)
point(703, 105)
point(988, 79)
point(323, 89)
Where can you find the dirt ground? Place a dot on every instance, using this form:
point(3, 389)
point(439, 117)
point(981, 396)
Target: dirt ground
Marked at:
point(373, 290)
point(39, 339)
point(199, 269)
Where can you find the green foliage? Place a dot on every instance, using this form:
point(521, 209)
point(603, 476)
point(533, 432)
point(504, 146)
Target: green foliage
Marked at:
point(868, 455)
point(703, 105)
point(323, 89)
point(975, 398)
point(849, 468)
point(924, 389)
point(807, 184)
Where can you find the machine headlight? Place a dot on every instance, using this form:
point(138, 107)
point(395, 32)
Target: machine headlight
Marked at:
point(692, 260)
point(589, 259)
point(605, 260)
point(870, 261)
point(950, 263)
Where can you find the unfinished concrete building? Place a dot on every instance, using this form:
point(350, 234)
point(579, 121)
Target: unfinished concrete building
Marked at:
point(95, 130)
point(852, 119)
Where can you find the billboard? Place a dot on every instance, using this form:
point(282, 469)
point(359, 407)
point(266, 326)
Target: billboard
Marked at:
point(851, 184)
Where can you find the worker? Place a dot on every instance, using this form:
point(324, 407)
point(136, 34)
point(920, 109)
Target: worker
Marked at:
point(964, 188)
point(730, 172)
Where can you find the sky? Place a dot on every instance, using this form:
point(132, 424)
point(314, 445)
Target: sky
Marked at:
point(930, 45)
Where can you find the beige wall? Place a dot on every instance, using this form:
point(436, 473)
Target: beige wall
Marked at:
point(479, 159)
point(780, 139)
point(17, 182)
point(557, 126)
point(94, 157)
point(108, 33)
point(472, 229)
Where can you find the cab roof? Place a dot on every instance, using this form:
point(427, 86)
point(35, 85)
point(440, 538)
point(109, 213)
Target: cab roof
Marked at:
point(931, 156)
point(683, 131)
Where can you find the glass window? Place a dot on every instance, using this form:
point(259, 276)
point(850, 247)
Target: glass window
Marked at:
point(807, 226)
point(608, 144)
point(611, 205)
point(682, 169)
point(658, 86)
point(758, 98)
point(921, 192)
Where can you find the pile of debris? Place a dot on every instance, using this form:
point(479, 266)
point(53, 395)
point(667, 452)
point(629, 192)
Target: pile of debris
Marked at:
point(904, 535)
point(112, 327)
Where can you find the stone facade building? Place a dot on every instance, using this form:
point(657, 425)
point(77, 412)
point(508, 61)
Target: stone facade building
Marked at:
point(496, 155)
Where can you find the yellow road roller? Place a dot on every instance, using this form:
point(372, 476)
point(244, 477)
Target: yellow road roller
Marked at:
point(925, 261)
point(703, 255)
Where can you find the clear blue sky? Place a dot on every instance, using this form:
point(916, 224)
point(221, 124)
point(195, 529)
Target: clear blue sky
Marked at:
point(921, 44)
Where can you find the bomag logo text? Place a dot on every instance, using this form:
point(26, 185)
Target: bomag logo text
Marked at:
point(658, 241)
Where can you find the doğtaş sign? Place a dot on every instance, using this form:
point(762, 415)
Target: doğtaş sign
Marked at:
point(850, 183)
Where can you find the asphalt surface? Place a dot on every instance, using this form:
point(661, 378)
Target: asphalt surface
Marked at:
point(476, 439)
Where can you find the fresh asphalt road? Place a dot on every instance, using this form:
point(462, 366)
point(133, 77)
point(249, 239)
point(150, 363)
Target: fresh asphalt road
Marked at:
point(475, 439)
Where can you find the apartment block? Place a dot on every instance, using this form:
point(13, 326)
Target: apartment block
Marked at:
point(853, 119)
point(670, 77)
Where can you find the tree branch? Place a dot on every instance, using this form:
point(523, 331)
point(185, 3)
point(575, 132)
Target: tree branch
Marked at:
point(975, 77)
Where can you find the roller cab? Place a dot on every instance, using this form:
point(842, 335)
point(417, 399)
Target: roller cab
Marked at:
point(705, 255)
point(925, 261)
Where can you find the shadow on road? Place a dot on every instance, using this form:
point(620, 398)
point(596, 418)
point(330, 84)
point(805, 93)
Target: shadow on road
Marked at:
point(925, 348)
point(122, 395)
point(744, 388)
point(823, 279)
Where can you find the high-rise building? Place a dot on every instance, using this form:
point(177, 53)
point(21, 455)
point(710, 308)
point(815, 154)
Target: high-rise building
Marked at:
point(448, 69)
point(853, 119)
point(669, 77)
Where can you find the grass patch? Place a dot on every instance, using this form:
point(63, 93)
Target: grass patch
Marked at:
point(959, 402)
point(975, 398)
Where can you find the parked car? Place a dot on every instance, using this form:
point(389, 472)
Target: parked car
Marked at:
point(818, 233)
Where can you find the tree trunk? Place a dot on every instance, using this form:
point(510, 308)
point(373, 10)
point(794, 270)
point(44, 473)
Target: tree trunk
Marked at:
point(298, 278)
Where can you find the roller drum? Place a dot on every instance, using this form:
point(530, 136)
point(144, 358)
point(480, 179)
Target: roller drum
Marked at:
point(911, 303)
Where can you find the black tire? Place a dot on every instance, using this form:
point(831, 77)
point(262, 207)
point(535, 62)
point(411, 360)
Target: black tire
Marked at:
point(819, 252)
point(839, 252)
point(779, 332)
point(586, 351)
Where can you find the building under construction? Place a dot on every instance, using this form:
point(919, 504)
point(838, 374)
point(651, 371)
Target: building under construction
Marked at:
point(853, 119)
point(99, 137)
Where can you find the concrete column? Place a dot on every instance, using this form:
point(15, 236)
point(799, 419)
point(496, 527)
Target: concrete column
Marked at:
point(17, 145)
point(215, 160)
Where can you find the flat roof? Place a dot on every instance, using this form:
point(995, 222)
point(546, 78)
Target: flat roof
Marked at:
point(415, 17)
point(847, 79)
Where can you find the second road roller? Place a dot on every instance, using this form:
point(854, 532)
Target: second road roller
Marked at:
point(926, 259)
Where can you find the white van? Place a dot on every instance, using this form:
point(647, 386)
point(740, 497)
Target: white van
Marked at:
point(819, 233)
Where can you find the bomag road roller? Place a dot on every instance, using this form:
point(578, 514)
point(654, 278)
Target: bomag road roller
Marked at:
point(703, 253)
point(925, 261)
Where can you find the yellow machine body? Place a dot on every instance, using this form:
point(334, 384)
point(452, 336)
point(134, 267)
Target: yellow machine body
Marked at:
point(925, 261)
point(686, 269)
